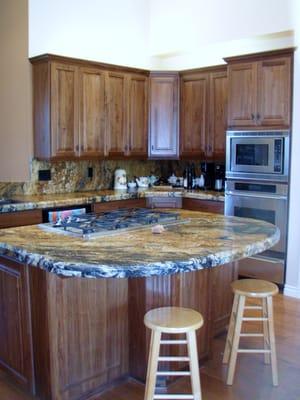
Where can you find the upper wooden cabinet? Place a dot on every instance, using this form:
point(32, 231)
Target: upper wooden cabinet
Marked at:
point(92, 112)
point(203, 113)
point(260, 90)
point(138, 116)
point(85, 110)
point(163, 124)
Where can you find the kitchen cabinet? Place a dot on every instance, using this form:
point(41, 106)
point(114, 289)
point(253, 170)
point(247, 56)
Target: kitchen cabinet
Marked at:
point(92, 112)
point(203, 113)
point(20, 218)
point(163, 124)
point(16, 354)
point(260, 90)
point(114, 205)
point(203, 205)
point(88, 110)
point(138, 116)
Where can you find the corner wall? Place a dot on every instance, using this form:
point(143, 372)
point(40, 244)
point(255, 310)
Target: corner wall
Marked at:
point(16, 132)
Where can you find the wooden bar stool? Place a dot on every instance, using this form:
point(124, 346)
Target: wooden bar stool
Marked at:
point(173, 320)
point(251, 288)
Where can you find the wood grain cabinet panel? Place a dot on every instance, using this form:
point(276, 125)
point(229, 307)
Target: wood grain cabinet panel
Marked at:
point(203, 113)
point(138, 116)
point(163, 124)
point(88, 110)
point(64, 110)
point(218, 99)
point(16, 355)
point(274, 92)
point(242, 94)
point(92, 112)
point(20, 218)
point(260, 90)
point(193, 113)
point(117, 129)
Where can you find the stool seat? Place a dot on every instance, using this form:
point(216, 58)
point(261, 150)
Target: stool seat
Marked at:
point(173, 319)
point(254, 288)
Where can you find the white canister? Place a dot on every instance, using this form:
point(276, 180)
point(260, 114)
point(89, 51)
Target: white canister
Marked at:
point(120, 179)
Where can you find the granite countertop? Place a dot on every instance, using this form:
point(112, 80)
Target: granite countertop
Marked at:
point(207, 240)
point(79, 198)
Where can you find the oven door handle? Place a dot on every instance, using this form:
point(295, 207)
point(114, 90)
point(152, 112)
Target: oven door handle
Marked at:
point(259, 196)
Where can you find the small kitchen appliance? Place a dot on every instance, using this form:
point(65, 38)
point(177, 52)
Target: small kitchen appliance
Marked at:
point(208, 172)
point(120, 179)
point(219, 177)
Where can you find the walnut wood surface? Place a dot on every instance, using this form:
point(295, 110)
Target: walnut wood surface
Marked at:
point(16, 354)
point(20, 218)
point(260, 91)
point(163, 119)
point(113, 205)
point(203, 205)
point(92, 109)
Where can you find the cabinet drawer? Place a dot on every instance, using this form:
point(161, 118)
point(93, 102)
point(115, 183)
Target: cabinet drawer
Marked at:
point(164, 202)
point(113, 205)
point(203, 205)
point(20, 218)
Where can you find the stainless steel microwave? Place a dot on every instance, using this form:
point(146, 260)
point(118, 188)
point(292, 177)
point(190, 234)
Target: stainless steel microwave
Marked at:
point(262, 155)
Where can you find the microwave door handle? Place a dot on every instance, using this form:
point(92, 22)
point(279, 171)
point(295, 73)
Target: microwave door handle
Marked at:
point(259, 195)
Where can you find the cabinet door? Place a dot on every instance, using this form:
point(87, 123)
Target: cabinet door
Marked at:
point(92, 112)
point(64, 110)
point(194, 114)
point(242, 95)
point(217, 115)
point(163, 115)
point(274, 92)
point(138, 116)
point(16, 357)
point(117, 130)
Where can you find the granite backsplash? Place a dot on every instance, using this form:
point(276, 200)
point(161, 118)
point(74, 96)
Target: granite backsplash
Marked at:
point(72, 176)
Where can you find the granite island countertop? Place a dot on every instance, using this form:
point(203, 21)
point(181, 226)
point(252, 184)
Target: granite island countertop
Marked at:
point(206, 240)
point(80, 198)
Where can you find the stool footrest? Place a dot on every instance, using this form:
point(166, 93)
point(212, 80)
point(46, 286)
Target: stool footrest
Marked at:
point(173, 373)
point(173, 342)
point(254, 319)
point(251, 335)
point(173, 396)
point(253, 308)
point(173, 358)
point(254, 351)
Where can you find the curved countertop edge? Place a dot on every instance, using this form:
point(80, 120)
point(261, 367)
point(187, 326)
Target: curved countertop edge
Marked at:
point(151, 269)
point(83, 198)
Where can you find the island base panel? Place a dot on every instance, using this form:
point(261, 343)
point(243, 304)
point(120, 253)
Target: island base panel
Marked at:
point(80, 334)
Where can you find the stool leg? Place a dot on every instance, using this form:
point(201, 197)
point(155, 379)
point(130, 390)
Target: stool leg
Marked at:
point(236, 339)
point(194, 365)
point(266, 331)
point(230, 329)
point(272, 340)
point(152, 365)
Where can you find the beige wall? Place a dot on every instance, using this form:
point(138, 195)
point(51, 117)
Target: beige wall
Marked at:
point(15, 92)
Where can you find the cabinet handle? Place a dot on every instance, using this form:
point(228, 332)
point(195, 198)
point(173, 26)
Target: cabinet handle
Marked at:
point(258, 116)
point(152, 147)
point(77, 147)
point(253, 117)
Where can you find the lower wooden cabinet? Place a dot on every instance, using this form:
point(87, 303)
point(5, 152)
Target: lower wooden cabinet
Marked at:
point(16, 354)
point(203, 205)
point(20, 218)
point(114, 205)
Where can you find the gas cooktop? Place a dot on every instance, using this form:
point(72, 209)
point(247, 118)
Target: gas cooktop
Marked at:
point(108, 223)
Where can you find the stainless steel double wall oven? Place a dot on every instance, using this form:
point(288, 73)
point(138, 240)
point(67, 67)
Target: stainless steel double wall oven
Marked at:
point(257, 172)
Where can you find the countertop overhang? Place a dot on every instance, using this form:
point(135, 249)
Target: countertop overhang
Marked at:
point(207, 240)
